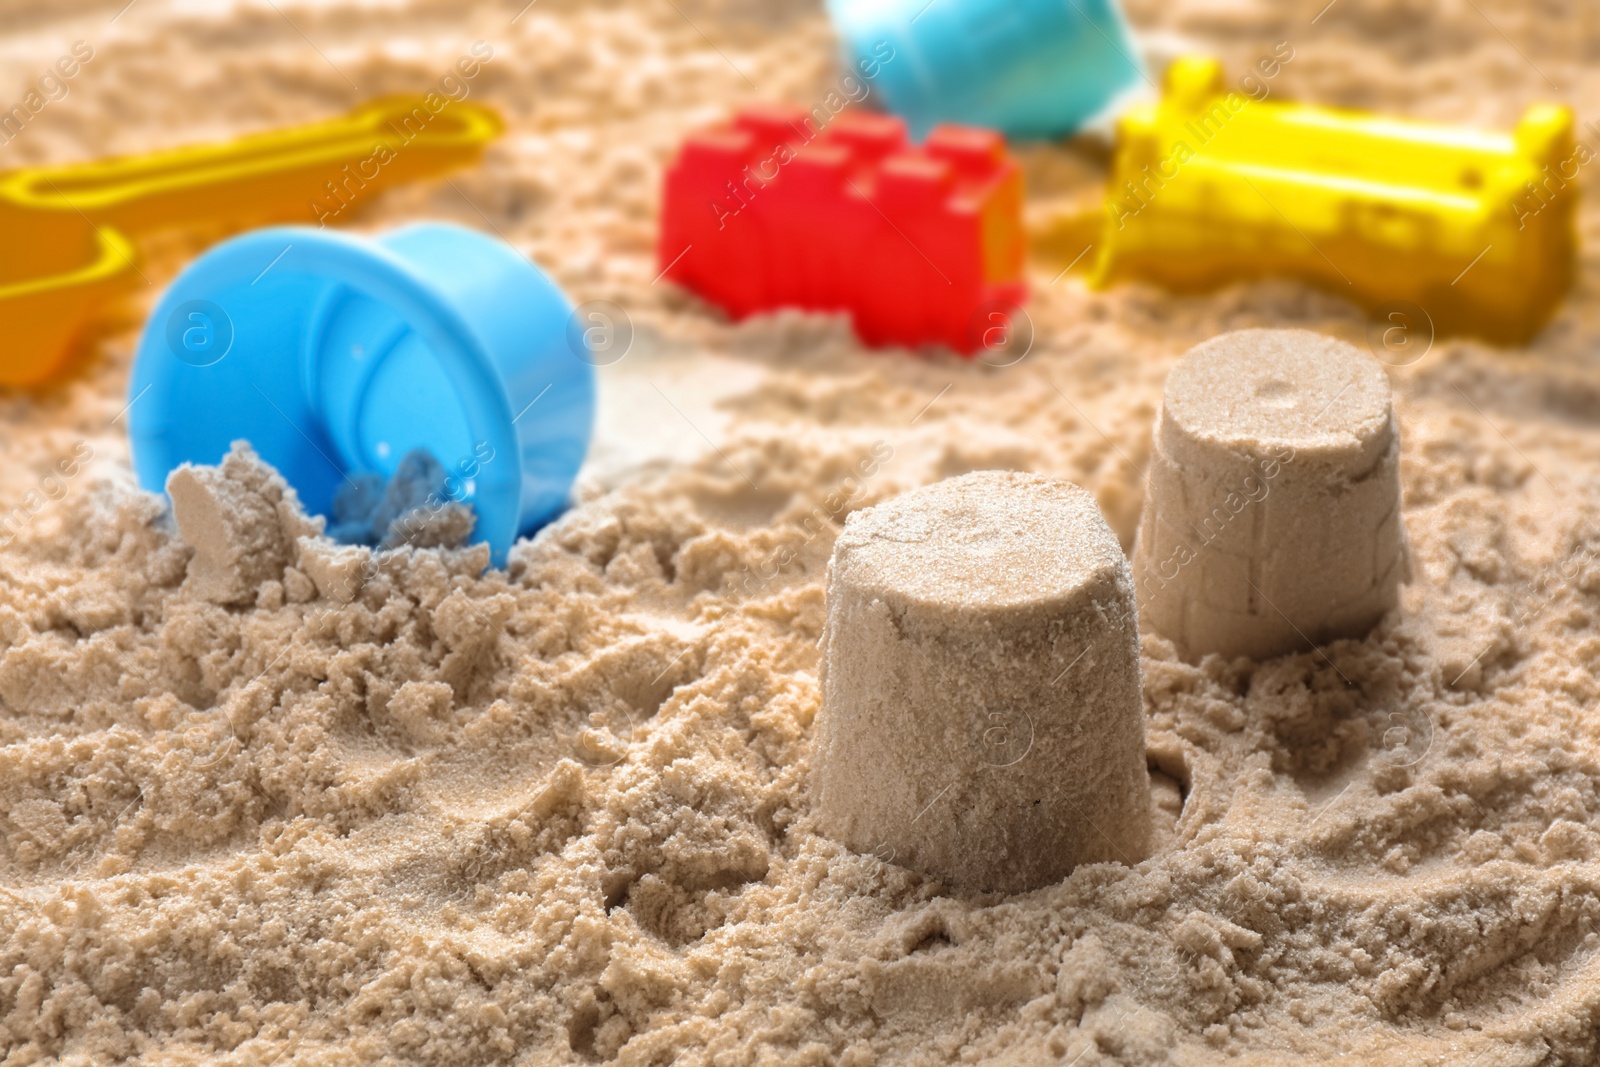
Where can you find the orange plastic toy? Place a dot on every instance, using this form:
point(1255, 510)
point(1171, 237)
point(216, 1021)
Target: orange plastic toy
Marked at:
point(68, 231)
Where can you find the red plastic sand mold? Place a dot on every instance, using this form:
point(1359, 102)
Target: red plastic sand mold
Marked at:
point(919, 244)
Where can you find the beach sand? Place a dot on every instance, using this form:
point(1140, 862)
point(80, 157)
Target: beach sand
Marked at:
point(564, 812)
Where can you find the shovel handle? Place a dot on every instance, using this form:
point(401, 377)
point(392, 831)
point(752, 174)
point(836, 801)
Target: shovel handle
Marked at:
point(311, 171)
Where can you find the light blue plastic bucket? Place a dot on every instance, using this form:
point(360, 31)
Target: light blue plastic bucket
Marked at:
point(332, 354)
point(1028, 68)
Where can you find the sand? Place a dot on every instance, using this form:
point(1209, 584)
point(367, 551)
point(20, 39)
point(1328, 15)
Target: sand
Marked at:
point(565, 812)
point(1272, 512)
point(981, 656)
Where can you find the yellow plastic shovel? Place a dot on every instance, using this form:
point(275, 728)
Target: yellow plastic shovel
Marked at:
point(68, 231)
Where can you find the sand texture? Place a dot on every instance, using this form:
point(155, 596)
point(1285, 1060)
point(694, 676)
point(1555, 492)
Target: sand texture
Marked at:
point(393, 809)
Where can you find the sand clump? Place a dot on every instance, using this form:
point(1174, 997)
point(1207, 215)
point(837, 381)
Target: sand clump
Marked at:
point(241, 520)
point(959, 616)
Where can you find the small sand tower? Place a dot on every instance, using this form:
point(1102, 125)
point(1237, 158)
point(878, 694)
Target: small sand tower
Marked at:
point(982, 719)
point(1272, 512)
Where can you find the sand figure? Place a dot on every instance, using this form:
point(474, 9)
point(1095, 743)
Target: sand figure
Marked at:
point(1272, 512)
point(982, 719)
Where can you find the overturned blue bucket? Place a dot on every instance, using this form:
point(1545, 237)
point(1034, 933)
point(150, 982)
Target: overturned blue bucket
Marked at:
point(333, 354)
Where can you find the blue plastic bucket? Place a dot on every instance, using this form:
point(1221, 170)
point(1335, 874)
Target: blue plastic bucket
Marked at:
point(332, 354)
point(1028, 68)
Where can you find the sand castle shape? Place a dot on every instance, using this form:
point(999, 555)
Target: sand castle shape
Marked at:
point(1272, 514)
point(982, 718)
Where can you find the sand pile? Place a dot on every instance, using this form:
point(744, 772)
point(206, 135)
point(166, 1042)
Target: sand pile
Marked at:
point(373, 804)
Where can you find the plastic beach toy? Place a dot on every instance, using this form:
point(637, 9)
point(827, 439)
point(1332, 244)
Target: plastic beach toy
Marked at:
point(333, 354)
point(68, 231)
point(1029, 68)
point(1475, 228)
point(920, 245)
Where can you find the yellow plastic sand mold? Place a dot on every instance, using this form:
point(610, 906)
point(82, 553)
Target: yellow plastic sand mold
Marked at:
point(1476, 228)
point(69, 231)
